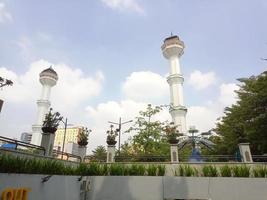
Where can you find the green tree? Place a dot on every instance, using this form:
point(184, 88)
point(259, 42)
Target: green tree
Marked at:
point(148, 138)
point(100, 153)
point(246, 121)
point(82, 138)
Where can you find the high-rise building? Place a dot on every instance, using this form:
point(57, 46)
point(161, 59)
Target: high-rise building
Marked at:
point(173, 49)
point(26, 137)
point(70, 137)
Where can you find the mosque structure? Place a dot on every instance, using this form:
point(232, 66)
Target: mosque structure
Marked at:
point(48, 79)
point(173, 49)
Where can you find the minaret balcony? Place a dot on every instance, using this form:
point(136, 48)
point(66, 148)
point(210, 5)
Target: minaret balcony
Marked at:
point(178, 108)
point(43, 103)
point(175, 78)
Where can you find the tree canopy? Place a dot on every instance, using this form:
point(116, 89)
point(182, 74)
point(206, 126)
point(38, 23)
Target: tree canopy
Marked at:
point(246, 121)
point(147, 138)
point(100, 153)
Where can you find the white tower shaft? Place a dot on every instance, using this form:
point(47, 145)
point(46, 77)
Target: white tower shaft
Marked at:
point(175, 81)
point(43, 106)
point(48, 79)
point(172, 50)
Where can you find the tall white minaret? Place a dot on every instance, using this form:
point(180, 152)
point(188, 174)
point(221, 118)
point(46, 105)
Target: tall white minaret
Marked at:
point(48, 78)
point(173, 49)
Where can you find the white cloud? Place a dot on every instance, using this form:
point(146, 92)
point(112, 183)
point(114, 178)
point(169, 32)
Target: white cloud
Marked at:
point(147, 87)
point(124, 5)
point(205, 116)
point(72, 91)
point(138, 89)
point(227, 94)
point(72, 87)
point(112, 111)
point(4, 14)
point(201, 80)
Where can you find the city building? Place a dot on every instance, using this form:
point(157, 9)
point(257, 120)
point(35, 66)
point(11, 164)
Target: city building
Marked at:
point(72, 148)
point(26, 137)
point(70, 137)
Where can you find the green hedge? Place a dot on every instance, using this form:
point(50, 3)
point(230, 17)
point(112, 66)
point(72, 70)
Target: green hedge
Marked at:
point(12, 164)
point(224, 171)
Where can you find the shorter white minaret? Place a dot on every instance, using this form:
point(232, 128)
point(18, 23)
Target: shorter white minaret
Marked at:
point(48, 78)
point(173, 49)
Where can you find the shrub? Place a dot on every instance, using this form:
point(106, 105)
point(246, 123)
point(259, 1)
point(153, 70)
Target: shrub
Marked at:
point(116, 170)
point(137, 170)
point(95, 169)
point(82, 169)
point(226, 171)
point(187, 170)
point(161, 170)
point(241, 171)
point(176, 171)
point(10, 164)
point(103, 170)
point(210, 171)
point(181, 171)
point(13, 164)
point(152, 170)
point(32, 165)
point(52, 167)
point(260, 172)
point(69, 170)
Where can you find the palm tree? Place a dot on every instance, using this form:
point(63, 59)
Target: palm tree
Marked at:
point(100, 153)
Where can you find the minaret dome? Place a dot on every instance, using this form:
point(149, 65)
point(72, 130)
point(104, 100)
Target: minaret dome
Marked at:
point(172, 47)
point(48, 77)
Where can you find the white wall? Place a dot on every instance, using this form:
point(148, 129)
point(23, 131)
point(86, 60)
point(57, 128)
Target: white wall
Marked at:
point(137, 188)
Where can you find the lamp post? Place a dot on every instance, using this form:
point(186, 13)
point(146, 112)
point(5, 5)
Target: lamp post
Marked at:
point(64, 137)
point(119, 129)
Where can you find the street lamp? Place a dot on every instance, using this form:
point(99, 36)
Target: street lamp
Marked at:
point(64, 137)
point(119, 129)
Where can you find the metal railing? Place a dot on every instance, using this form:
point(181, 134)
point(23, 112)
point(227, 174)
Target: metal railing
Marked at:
point(16, 145)
point(213, 158)
point(259, 158)
point(143, 158)
point(166, 159)
point(58, 154)
point(91, 158)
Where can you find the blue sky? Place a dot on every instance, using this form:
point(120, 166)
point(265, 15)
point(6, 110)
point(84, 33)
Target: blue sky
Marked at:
point(119, 37)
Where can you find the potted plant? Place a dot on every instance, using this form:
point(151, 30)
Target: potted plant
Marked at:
point(172, 133)
point(51, 122)
point(111, 138)
point(83, 137)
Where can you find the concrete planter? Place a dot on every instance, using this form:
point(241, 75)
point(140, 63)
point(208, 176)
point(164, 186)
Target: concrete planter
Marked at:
point(135, 188)
point(215, 188)
point(82, 151)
